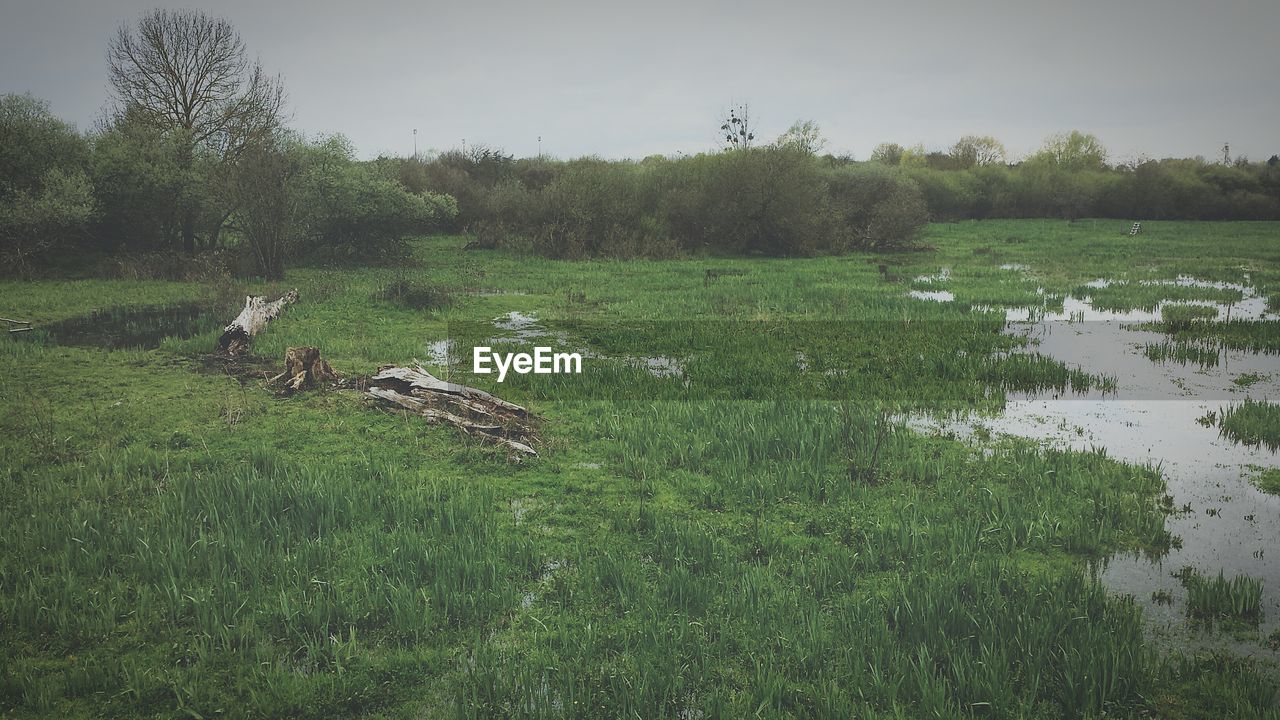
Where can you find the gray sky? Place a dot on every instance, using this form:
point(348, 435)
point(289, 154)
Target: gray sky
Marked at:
point(1152, 78)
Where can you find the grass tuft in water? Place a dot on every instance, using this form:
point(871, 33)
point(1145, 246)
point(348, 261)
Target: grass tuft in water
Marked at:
point(1252, 422)
point(1268, 481)
point(1183, 353)
point(1217, 598)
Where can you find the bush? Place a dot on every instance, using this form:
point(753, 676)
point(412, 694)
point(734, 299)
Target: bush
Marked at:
point(352, 211)
point(141, 188)
point(39, 222)
point(777, 201)
point(414, 296)
point(761, 201)
point(877, 207)
point(46, 199)
point(208, 266)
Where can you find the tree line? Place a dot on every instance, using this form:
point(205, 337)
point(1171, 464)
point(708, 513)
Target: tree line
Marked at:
point(194, 169)
point(787, 198)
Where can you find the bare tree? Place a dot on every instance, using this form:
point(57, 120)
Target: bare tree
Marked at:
point(736, 128)
point(185, 72)
point(972, 150)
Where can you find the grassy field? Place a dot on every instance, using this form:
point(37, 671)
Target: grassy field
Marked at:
point(755, 534)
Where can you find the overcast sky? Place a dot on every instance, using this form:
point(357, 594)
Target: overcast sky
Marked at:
point(1153, 78)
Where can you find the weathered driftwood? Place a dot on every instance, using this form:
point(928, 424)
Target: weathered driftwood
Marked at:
point(16, 326)
point(473, 411)
point(419, 379)
point(303, 369)
point(256, 314)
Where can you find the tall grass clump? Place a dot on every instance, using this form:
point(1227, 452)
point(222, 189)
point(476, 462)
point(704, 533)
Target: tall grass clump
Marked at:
point(1177, 318)
point(1217, 598)
point(1252, 422)
point(1259, 336)
point(1183, 353)
point(415, 295)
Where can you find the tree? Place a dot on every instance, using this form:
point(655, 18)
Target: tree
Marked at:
point(140, 186)
point(736, 129)
point(294, 196)
point(973, 150)
point(804, 136)
point(267, 203)
point(45, 197)
point(888, 154)
point(188, 75)
point(895, 155)
point(1074, 151)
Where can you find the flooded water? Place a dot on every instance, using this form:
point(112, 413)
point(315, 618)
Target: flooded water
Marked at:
point(524, 328)
point(934, 295)
point(1224, 522)
point(140, 326)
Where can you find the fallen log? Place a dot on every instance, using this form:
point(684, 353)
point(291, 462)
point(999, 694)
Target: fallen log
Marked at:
point(475, 412)
point(256, 314)
point(469, 409)
point(419, 379)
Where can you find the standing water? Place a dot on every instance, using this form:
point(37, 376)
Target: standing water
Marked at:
point(1222, 521)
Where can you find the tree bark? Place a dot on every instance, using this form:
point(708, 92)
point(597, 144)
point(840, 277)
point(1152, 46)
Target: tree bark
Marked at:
point(474, 411)
point(256, 314)
point(303, 369)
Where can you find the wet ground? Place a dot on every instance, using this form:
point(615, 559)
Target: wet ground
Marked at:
point(1224, 522)
point(131, 327)
point(525, 328)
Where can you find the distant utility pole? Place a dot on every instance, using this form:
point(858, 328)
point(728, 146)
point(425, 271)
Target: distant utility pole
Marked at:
point(464, 146)
point(1226, 153)
point(415, 143)
point(539, 147)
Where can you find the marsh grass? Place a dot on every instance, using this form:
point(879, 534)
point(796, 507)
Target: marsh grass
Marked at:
point(768, 539)
point(415, 295)
point(1125, 296)
point(1251, 422)
point(1268, 481)
point(1217, 598)
point(1183, 353)
point(1257, 336)
point(1178, 318)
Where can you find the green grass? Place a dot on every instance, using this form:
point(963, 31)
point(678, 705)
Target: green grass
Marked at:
point(1251, 336)
point(1217, 598)
point(1177, 318)
point(1268, 481)
point(1251, 422)
point(1184, 353)
point(1149, 296)
point(755, 535)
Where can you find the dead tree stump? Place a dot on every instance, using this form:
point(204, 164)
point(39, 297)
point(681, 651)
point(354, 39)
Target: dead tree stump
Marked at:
point(256, 314)
point(304, 369)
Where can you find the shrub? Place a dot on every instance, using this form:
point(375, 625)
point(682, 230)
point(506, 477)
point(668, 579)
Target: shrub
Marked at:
point(46, 199)
point(414, 296)
point(877, 207)
point(778, 201)
point(352, 211)
point(213, 265)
